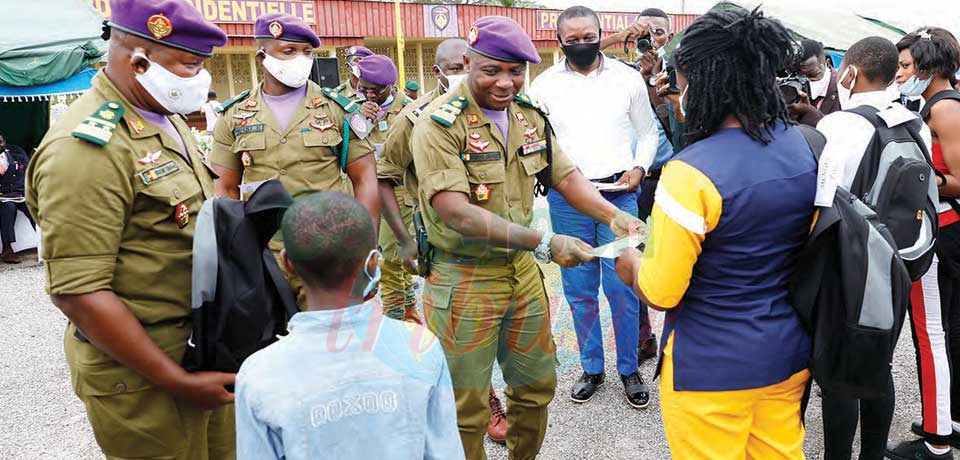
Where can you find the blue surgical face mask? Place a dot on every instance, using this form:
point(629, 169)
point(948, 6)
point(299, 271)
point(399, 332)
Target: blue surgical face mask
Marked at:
point(374, 278)
point(915, 86)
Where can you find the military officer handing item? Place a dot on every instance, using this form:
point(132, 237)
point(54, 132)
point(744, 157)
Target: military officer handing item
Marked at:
point(288, 128)
point(115, 187)
point(478, 152)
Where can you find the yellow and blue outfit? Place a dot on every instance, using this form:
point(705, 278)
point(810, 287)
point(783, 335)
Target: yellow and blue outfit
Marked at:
point(729, 219)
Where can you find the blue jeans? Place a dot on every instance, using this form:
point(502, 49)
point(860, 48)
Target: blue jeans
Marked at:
point(581, 287)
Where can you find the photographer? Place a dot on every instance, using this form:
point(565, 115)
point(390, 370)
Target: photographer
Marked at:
point(814, 75)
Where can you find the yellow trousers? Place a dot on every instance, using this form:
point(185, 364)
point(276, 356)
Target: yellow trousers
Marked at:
point(760, 423)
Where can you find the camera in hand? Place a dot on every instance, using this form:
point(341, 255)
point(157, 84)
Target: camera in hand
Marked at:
point(791, 86)
point(673, 88)
point(644, 45)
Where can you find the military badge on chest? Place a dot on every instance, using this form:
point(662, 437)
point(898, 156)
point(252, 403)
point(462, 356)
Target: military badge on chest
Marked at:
point(321, 122)
point(182, 215)
point(475, 142)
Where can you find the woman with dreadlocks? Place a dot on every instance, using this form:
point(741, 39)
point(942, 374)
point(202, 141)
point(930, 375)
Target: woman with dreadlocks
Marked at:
point(731, 214)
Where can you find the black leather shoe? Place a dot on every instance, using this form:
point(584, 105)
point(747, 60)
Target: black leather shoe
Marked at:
point(585, 387)
point(636, 390)
point(914, 450)
point(954, 440)
point(647, 349)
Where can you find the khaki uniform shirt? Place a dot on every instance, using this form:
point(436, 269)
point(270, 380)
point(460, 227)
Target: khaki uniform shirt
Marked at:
point(380, 133)
point(120, 216)
point(396, 161)
point(471, 157)
point(305, 156)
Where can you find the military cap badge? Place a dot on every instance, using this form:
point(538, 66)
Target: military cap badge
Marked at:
point(159, 26)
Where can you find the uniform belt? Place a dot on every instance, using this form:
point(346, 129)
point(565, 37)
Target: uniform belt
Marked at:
point(169, 322)
point(609, 179)
point(450, 258)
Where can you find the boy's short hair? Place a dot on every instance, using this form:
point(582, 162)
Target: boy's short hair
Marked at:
point(327, 236)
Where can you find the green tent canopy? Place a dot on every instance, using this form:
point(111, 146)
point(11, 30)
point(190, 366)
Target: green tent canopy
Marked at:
point(48, 41)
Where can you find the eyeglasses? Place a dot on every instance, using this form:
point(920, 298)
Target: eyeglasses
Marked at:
point(375, 90)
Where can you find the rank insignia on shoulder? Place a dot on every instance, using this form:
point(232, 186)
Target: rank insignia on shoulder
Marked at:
point(447, 113)
point(481, 193)
point(473, 119)
point(154, 174)
point(98, 127)
point(534, 147)
point(341, 100)
point(182, 215)
point(525, 99)
point(150, 158)
point(234, 100)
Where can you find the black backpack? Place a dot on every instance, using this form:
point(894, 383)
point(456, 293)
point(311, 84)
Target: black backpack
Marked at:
point(241, 300)
point(896, 179)
point(851, 291)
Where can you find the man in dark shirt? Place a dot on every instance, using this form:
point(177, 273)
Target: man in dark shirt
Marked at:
point(13, 163)
point(823, 99)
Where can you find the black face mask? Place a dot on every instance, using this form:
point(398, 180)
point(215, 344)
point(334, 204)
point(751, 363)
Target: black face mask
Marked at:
point(582, 55)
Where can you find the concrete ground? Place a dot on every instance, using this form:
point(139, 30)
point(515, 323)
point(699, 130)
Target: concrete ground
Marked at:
point(40, 418)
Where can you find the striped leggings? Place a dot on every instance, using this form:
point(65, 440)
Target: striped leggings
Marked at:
point(935, 322)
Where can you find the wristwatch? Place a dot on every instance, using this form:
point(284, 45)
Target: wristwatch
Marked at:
point(542, 251)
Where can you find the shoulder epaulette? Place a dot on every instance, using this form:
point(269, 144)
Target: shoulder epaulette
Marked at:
point(406, 101)
point(234, 100)
point(98, 127)
point(447, 113)
point(339, 87)
point(526, 100)
point(341, 100)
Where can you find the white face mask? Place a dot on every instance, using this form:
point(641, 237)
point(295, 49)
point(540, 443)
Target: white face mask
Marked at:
point(844, 93)
point(292, 72)
point(453, 79)
point(175, 93)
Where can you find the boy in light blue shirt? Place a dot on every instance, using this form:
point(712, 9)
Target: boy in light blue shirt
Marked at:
point(347, 382)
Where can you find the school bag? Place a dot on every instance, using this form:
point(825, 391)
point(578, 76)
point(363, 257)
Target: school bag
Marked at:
point(241, 301)
point(851, 291)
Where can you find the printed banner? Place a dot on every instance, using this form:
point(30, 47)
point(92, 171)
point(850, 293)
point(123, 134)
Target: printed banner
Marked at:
point(240, 11)
point(609, 22)
point(440, 21)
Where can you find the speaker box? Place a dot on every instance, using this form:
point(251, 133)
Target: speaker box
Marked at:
point(325, 72)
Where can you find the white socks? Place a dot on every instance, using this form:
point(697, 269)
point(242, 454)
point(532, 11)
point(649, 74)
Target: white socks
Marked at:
point(935, 450)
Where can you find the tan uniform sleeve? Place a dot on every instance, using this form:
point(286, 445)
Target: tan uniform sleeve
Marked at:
point(561, 165)
point(436, 152)
point(81, 195)
point(396, 155)
point(222, 153)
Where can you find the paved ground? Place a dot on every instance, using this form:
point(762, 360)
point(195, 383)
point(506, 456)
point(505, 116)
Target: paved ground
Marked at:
point(41, 418)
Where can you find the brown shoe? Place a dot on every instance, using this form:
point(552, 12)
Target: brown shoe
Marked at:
point(9, 256)
point(497, 430)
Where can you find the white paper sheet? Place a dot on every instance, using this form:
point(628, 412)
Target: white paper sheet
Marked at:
point(610, 187)
point(612, 250)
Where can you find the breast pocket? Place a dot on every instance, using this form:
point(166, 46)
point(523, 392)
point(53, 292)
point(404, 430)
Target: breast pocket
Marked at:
point(252, 151)
point(166, 209)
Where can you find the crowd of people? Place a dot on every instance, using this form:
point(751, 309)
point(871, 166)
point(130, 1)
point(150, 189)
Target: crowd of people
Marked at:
point(700, 149)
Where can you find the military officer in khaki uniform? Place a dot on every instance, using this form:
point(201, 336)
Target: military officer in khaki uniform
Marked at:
point(288, 128)
point(479, 150)
point(116, 186)
point(381, 103)
point(395, 169)
point(354, 54)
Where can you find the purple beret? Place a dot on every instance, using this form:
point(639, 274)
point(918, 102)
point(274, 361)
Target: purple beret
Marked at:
point(378, 70)
point(282, 26)
point(501, 38)
point(361, 51)
point(174, 23)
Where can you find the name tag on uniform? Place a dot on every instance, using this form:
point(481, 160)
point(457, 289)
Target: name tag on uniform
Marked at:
point(247, 129)
point(533, 147)
point(476, 156)
point(154, 174)
point(382, 126)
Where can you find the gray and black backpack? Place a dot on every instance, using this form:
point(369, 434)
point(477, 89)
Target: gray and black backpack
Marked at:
point(851, 287)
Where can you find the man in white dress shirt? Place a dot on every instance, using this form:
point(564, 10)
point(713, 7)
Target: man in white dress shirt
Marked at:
point(597, 106)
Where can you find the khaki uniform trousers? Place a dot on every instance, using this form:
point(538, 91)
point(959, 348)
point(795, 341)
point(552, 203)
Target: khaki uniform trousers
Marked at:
point(483, 310)
point(133, 419)
point(396, 285)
